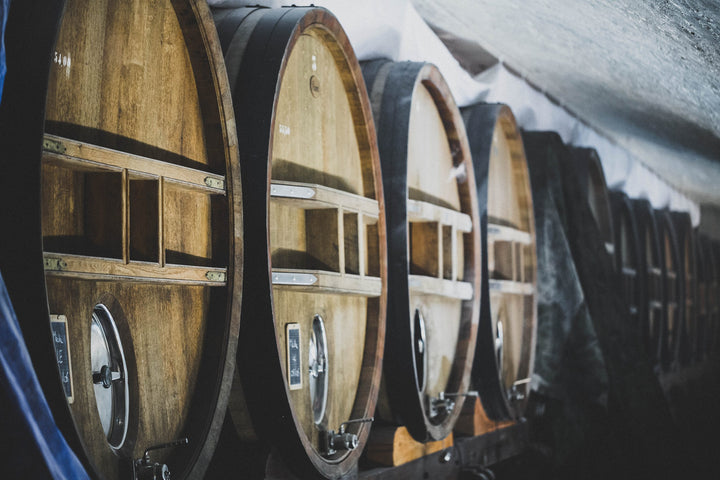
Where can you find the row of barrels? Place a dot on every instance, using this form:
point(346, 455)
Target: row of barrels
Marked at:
point(669, 271)
point(230, 236)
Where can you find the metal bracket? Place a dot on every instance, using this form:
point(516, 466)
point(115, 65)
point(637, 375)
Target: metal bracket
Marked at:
point(215, 183)
point(216, 276)
point(55, 264)
point(53, 146)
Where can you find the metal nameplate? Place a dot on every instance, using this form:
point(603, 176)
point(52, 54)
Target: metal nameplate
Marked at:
point(291, 191)
point(294, 363)
point(293, 278)
point(58, 327)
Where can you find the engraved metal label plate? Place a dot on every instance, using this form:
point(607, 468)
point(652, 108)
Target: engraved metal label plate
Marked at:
point(58, 326)
point(294, 370)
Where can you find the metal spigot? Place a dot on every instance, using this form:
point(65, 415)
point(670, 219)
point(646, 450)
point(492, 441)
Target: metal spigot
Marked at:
point(444, 402)
point(331, 442)
point(144, 469)
point(515, 394)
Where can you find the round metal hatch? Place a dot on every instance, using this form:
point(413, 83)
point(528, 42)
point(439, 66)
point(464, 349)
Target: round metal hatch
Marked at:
point(420, 350)
point(109, 376)
point(318, 367)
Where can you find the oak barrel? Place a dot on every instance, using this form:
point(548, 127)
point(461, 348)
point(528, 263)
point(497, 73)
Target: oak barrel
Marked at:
point(310, 353)
point(627, 258)
point(505, 349)
point(685, 235)
point(651, 279)
point(433, 247)
point(705, 267)
point(713, 337)
point(674, 288)
point(591, 180)
point(139, 230)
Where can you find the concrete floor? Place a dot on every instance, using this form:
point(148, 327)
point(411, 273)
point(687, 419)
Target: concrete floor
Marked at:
point(645, 73)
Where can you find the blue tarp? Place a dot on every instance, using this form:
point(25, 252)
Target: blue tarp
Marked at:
point(4, 7)
point(31, 446)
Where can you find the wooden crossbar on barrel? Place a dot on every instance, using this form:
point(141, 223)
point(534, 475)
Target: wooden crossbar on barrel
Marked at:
point(592, 182)
point(433, 246)
point(139, 229)
point(674, 283)
point(686, 246)
point(627, 258)
point(309, 357)
point(705, 268)
point(651, 276)
point(508, 319)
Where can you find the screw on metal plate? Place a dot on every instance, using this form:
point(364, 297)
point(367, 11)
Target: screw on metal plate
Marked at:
point(215, 182)
point(56, 264)
point(216, 276)
point(53, 146)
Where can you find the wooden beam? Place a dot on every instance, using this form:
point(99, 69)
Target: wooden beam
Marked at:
point(74, 154)
point(473, 420)
point(421, 284)
point(99, 268)
point(393, 446)
point(319, 281)
point(312, 196)
point(501, 233)
point(419, 211)
point(508, 286)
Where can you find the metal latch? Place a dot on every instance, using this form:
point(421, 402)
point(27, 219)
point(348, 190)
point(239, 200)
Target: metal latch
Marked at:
point(144, 469)
point(331, 442)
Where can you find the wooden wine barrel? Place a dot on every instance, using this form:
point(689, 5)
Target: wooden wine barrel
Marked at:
point(310, 354)
point(592, 183)
point(651, 278)
point(508, 314)
point(140, 231)
point(674, 288)
point(433, 244)
point(686, 246)
point(705, 268)
point(713, 337)
point(627, 257)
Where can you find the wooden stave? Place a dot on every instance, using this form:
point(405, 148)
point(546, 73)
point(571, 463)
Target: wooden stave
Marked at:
point(483, 118)
point(705, 268)
point(208, 402)
point(279, 30)
point(391, 109)
point(589, 169)
point(646, 222)
point(686, 246)
point(622, 212)
point(714, 340)
point(670, 349)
